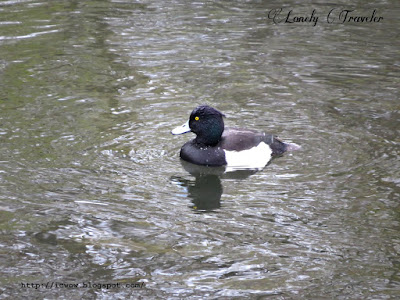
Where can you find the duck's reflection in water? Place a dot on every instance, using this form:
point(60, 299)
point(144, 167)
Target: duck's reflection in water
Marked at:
point(206, 189)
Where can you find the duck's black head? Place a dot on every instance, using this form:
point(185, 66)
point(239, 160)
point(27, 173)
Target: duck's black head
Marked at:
point(207, 123)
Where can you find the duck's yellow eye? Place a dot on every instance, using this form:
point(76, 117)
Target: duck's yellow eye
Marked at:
point(196, 118)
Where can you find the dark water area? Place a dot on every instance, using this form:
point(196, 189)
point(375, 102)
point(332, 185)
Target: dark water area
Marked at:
point(93, 193)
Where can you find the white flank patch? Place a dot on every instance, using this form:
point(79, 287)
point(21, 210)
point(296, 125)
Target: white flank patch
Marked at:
point(254, 158)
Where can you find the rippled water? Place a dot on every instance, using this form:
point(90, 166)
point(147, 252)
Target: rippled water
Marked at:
point(91, 186)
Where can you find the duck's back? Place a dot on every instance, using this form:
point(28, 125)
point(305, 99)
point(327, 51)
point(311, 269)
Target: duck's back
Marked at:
point(238, 139)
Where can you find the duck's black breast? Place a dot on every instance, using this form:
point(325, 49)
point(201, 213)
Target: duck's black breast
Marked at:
point(203, 155)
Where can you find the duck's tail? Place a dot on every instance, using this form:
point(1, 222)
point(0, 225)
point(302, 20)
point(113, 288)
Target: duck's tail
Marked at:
point(279, 147)
point(292, 147)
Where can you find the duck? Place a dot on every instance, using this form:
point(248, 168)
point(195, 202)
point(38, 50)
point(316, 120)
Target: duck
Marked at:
point(216, 145)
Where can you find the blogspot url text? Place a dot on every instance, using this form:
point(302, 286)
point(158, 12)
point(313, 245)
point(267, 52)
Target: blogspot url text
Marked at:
point(81, 285)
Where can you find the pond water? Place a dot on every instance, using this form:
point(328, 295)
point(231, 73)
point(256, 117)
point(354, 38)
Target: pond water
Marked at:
point(91, 185)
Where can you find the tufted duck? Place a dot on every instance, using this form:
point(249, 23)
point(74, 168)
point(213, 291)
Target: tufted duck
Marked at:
point(236, 148)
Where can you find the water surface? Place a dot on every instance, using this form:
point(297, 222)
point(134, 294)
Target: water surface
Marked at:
point(91, 186)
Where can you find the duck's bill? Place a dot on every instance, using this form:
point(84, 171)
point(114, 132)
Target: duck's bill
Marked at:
point(181, 129)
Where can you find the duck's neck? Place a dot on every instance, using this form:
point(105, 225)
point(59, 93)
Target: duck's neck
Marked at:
point(210, 139)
